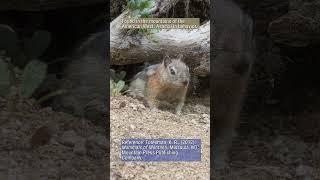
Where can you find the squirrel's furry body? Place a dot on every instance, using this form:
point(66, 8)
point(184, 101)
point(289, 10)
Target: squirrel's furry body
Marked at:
point(232, 65)
point(162, 83)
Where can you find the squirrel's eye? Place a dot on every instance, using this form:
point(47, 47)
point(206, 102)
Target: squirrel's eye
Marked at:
point(172, 71)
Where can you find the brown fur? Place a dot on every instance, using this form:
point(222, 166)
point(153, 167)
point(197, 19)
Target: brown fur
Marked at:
point(159, 90)
point(160, 87)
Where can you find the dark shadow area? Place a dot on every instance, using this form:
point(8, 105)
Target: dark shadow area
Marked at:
point(39, 140)
point(279, 132)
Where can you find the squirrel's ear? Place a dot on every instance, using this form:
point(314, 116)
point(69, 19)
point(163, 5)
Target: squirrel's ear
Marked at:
point(166, 60)
point(180, 57)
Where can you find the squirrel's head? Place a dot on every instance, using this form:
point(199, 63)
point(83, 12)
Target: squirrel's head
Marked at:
point(177, 72)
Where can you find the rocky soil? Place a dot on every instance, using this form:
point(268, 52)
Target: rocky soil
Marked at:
point(131, 119)
point(273, 148)
point(268, 147)
point(38, 143)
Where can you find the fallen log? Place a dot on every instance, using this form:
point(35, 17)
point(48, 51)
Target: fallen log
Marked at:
point(131, 48)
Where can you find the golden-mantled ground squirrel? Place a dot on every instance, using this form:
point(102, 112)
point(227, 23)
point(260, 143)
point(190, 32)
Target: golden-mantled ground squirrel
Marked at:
point(166, 82)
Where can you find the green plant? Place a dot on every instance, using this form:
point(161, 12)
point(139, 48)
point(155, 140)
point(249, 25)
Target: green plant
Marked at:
point(32, 76)
point(140, 8)
point(117, 83)
point(17, 82)
point(116, 88)
point(117, 76)
point(9, 40)
point(21, 51)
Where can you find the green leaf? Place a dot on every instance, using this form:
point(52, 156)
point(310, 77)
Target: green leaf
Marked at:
point(131, 5)
point(136, 13)
point(120, 85)
point(152, 3)
point(33, 75)
point(38, 44)
point(111, 84)
point(112, 74)
point(145, 15)
point(9, 39)
point(112, 88)
point(144, 5)
point(121, 75)
point(4, 78)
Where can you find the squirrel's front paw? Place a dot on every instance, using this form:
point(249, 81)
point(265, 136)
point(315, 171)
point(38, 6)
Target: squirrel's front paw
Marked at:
point(178, 112)
point(178, 109)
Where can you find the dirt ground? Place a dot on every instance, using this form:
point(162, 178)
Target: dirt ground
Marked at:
point(272, 146)
point(131, 119)
point(268, 147)
point(40, 144)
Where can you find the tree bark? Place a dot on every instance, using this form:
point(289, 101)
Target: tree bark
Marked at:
point(132, 48)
